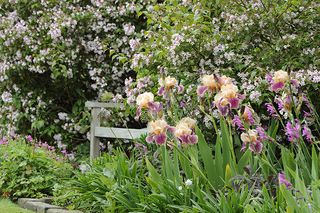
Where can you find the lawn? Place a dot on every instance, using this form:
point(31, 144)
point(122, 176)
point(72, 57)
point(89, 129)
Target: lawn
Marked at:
point(7, 206)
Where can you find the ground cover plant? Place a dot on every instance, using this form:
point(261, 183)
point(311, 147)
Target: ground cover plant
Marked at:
point(30, 168)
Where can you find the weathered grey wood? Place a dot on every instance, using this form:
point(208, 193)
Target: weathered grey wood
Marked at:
point(94, 141)
point(97, 132)
point(92, 104)
point(121, 133)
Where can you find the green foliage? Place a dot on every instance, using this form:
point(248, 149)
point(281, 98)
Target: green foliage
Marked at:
point(55, 55)
point(29, 171)
point(8, 206)
point(95, 186)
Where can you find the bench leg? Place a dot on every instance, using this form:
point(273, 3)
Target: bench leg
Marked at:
point(94, 141)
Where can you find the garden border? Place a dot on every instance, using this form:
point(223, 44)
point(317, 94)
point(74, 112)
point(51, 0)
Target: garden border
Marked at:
point(42, 206)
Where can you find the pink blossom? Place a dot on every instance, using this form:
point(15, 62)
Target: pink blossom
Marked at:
point(282, 180)
point(306, 132)
point(271, 110)
point(29, 138)
point(3, 141)
point(293, 131)
point(236, 121)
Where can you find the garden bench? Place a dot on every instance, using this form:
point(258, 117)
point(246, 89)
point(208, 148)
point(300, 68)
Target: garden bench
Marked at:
point(96, 131)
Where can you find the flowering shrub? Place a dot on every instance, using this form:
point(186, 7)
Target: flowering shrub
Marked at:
point(56, 55)
point(243, 40)
point(30, 168)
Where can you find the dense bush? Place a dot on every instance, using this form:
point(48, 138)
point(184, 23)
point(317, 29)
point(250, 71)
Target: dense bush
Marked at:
point(242, 39)
point(29, 168)
point(55, 55)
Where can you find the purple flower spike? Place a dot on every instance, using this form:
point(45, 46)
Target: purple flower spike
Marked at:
point(280, 104)
point(160, 139)
point(306, 132)
point(182, 104)
point(236, 122)
point(282, 180)
point(271, 110)
point(262, 134)
point(29, 138)
point(293, 131)
point(276, 87)
point(201, 90)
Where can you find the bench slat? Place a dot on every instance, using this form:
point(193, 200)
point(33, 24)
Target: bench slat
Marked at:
point(121, 133)
point(92, 104)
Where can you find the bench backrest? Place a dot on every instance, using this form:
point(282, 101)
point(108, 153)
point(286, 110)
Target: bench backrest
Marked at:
point(96, 131)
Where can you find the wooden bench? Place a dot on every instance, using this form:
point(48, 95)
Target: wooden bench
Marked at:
point(96, 131)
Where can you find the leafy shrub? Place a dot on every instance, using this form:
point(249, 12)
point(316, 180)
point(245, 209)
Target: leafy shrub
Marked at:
point(30, 169)
point(56, 55)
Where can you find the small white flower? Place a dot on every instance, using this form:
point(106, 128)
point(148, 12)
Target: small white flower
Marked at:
point(180, 188)
point(6, 97)
point(84, 168)
point(128, 29)
point(71, 157)
point(188, 182)
point(62, 116)
point(57, 137)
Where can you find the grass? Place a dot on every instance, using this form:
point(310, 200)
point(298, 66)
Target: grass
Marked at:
point(7, 206)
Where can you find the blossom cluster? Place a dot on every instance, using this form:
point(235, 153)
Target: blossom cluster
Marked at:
point(220, 97)
point(60, 54)
point(158, 128)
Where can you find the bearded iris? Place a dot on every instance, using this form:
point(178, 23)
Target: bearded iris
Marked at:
point(254, 140)
point(185, 131)
point(157, 131)
point(279, 80)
